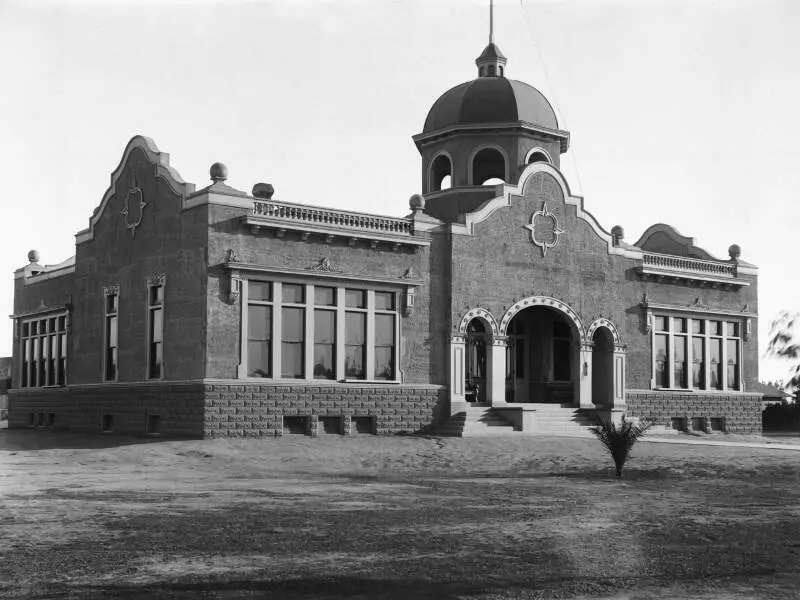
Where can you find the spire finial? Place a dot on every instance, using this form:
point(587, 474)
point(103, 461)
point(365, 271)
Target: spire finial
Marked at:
point(491, 21)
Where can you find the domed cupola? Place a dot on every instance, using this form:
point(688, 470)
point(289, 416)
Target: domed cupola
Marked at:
point(487, 129)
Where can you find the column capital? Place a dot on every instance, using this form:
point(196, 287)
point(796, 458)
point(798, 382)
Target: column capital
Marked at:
point(500, 340)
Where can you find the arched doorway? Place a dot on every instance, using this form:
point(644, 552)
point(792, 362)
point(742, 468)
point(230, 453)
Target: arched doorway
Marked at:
point(542, 357)
point(602, 367)
point(475, 369)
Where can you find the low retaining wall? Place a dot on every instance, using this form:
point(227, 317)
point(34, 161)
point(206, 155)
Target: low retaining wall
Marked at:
point(228, 408)
point(736, 412)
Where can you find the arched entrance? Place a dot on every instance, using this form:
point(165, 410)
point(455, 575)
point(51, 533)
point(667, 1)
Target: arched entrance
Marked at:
point(475, 369)
point(602, 368)
point(542, 357)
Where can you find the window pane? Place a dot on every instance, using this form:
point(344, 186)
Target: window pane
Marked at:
point(355, 328)
point(355, 298)
point(324, 326)
point(25, 329)
point(156, 325)
point(111, 331)
point(680, 361)
point(715, 327)
point(156, 359)
point(111, 363)
point(384, 330)
point(62, 323)
point(26, 352)
point(259, 290)
point(156, 294)
point(292, 360)
point(697, 325)
point(51, 325)
point(661, 323)
point(698, 362)
point(662, 379)
point(259, 359)
point(52, 360)
point(324, 366)
point(732, 329)
point(680, 325)
point(355, 348)
point(62, 362)
point(293, 324)
point(111, 303)
point(384, 346)
point(259, 322)
point(293, 293)
point(733, 364)
point(34, 325)
point(384, 301)
point(715, 371)
point(324, 296)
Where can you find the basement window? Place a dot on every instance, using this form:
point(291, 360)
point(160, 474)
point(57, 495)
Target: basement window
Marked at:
point(363, 425)
point(108, 423)
point(295, 425)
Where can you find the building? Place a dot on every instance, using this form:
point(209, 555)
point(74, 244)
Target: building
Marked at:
point(216, 312)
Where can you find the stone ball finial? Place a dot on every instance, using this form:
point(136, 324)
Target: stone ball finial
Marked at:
point(218, 172)
point(33, 256)
point(734, 251)
point(263, 190)
point(416, 202)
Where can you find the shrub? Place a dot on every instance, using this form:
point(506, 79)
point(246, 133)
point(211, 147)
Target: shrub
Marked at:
point(619, 440)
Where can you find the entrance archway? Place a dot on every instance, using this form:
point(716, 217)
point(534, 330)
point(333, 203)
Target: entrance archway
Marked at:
point(475, 379)
point(603, 368)
point(542, 357)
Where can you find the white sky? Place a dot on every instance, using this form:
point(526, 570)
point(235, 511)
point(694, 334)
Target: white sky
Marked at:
point(681, 112)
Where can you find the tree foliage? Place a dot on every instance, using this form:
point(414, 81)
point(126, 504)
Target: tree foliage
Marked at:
point(784, 343)
point(619, 440)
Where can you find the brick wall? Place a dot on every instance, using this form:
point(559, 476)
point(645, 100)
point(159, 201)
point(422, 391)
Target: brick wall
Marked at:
point(742, 412)
point(238, 409)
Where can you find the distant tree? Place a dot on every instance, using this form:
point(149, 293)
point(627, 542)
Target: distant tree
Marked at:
point(784, 343)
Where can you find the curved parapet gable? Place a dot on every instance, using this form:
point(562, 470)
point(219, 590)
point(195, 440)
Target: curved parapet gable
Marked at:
point(160, 161)
point(508, 191)
point(665, 239)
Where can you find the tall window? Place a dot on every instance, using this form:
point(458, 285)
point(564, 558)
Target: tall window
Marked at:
point(696, 353)
point(293, 315)
point(324, 332)
point(111, 342)
point(384, 335)
point(320, 332)
point(155, 334)
point(732, 355)
point(355, 334)
point(43, 350)
point(259, 329)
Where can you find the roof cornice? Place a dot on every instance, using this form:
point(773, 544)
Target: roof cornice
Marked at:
point(422, 139)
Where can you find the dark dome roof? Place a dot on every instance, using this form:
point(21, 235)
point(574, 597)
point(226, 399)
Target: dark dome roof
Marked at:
point(490, 100)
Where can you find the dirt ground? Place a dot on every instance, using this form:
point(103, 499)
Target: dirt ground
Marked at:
point(393, 517)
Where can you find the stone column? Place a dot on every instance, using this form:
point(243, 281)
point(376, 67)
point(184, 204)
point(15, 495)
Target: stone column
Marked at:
point(619, 377)
point(458, 359)
point(496, 371)
point(584, 387)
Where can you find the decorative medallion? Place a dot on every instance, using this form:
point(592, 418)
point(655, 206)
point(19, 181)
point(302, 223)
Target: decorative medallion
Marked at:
point(544, 229)
point(325, 265)
point(134, 206)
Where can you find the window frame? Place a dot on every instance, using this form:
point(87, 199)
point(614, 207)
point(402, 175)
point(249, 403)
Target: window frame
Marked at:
point(47, 368)
point(310, 306)
point(709, 336)
point(152, 283)
point(107, 293)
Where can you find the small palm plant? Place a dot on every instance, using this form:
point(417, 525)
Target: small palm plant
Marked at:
point(619, 439)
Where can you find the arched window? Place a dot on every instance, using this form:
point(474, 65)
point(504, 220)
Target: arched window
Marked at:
point(441, 173)
point(537, 156)
point(488, 167)
point(491, 70)
point(501, 71)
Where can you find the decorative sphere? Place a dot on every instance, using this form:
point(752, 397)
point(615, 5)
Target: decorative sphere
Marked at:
point(33, 256)
point(263, 190)
point(734, 251)
point(416, 202)
point(218, 171)
point(618, 232)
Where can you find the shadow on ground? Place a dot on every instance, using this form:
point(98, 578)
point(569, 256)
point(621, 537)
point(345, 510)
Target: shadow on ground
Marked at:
point(21, 439)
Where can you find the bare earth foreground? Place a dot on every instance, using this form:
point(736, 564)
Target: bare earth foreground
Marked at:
point(393, 517)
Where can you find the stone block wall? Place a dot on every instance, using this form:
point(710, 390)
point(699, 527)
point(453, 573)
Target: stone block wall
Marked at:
point(234, 409)
point(741, 412)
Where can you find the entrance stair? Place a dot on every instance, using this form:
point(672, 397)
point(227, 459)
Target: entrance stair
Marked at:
point(550, 419)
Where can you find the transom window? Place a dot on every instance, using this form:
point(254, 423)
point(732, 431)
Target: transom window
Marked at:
point(43, 348)
point(701, 354)
point(324, 332)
